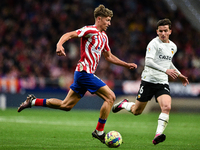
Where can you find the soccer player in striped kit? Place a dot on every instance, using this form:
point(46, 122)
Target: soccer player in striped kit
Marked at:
point(94, 42)
point(158, 66)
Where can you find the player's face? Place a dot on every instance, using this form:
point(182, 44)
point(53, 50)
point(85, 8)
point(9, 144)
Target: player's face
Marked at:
point(105, 22)
point(163, 33)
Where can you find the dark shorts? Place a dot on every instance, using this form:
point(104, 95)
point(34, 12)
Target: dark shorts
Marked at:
point(84, 82)
point(148, 90)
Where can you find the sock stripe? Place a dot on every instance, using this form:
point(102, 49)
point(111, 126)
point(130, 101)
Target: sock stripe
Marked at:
point(44, 102)
point(103, 121)
point(163, 120)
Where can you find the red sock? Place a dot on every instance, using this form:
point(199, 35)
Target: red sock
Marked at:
point(100, 125)
point(40, 102)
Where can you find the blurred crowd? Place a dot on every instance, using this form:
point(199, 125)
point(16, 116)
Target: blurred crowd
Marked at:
point(30, 29)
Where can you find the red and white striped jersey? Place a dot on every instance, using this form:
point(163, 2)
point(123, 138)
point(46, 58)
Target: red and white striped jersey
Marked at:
point(93, 42)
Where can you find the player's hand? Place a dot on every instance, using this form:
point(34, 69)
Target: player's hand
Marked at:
point(172, 73)
point(132, 66)
point(60, 51)
point(183, 79)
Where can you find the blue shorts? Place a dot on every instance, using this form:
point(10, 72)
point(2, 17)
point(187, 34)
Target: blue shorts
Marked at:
point(84, 82)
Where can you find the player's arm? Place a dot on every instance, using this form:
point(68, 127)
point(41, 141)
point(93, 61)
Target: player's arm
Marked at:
point(150, 63)
point(183, 78)
point(173, 67)
point(113, 59)
point(65, 37)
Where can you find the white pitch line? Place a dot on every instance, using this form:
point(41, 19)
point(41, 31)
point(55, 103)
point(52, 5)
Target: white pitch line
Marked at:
point(33, 121)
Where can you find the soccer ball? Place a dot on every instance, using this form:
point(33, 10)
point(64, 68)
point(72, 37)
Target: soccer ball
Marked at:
point(113, 139)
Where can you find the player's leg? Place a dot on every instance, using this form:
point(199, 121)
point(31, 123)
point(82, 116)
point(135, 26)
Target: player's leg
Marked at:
point(67, 104)
point(138, 108)
point(109, 97)
point(165, 103)
point(135, 108)
point(145, 94)
point(123, 104)
point(74, 95)
point(163, 119)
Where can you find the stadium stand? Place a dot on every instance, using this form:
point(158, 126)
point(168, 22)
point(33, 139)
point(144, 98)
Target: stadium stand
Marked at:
point(29, 31)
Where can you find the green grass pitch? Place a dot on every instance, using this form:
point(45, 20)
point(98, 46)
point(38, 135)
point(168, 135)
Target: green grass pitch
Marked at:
point(48, 129)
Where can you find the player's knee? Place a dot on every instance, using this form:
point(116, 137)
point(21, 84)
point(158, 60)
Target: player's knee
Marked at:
point(166, 108)
point(111, 98)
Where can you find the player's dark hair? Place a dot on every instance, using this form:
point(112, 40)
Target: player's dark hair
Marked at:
point(164, 22)
point(102, 11)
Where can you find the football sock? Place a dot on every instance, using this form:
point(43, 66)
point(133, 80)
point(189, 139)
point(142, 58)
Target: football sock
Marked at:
point(99, 132)
point(38, 102)
point(163, 120)
point(100, 126)
point(128, 105)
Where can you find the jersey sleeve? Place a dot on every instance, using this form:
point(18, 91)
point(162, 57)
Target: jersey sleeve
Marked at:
point(107, 47)
point(172, 65)
point(150, 63)
point(175, 48)
point(83, 32)
point(151, 50)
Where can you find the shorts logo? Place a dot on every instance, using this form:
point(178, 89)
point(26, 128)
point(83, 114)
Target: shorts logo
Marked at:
point(166, 89)
point(139, 96)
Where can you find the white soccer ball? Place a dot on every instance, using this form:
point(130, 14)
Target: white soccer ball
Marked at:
point(113, 139)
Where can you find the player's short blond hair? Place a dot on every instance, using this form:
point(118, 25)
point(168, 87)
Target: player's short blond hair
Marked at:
point(102, 11)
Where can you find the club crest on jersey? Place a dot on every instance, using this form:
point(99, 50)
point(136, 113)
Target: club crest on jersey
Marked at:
point(104, 39)
point(172, 50)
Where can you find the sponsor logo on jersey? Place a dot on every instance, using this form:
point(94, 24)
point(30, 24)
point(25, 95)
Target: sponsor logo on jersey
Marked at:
point(165, 57)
